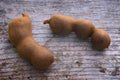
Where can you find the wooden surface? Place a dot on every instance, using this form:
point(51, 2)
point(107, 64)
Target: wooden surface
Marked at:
point(75, 59)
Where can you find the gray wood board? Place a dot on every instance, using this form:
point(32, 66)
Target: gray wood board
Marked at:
point(75, 59)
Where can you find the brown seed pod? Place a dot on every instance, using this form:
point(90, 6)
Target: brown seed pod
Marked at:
point(83, 28)
point(60, 24)
point(100, 39)
point(20, 35)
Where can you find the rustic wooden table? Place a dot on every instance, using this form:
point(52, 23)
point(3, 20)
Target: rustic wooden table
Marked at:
point(75, 59)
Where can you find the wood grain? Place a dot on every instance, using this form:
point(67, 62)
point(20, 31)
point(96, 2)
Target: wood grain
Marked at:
point(75, 59)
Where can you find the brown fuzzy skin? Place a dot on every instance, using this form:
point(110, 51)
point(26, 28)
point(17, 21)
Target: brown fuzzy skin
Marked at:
point(20, 35)
point(83, 28)
point(60, 24)
point(100, 39)
point(19, 28)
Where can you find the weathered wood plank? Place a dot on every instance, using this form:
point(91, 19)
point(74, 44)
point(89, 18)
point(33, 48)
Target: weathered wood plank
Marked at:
point(75, 59)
